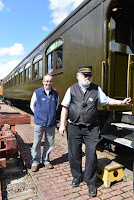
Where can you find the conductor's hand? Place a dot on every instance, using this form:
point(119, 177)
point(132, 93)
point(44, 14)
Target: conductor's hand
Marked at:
point(126, 101)
point(62, 130)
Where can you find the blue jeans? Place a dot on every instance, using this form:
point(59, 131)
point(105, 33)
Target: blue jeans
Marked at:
point(48, 144)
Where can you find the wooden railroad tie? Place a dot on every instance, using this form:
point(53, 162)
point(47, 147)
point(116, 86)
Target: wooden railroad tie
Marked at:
point(14, 119)
point(109, 171)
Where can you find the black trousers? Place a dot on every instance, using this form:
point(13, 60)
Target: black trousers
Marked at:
point(76, 135)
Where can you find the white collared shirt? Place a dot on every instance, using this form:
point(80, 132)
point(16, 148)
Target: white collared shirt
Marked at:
point(102, 98)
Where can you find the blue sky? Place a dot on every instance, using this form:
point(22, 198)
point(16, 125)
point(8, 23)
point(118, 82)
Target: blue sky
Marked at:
point(24, 24)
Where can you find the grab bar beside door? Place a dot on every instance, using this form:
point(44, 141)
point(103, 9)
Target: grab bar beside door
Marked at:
point(129, 73)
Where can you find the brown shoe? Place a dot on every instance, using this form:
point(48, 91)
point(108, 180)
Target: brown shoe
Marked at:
point(34, 168)
point(49, 166)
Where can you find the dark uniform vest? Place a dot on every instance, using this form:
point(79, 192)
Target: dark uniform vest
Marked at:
point(45, 109)
point(83, 108)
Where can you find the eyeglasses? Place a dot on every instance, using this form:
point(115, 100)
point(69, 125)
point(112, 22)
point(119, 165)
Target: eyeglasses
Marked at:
point(87, 75)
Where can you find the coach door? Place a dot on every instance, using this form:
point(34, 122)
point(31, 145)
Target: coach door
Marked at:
point(117, 66)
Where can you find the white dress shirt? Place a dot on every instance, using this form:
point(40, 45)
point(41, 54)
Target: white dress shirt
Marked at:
point(102, 98)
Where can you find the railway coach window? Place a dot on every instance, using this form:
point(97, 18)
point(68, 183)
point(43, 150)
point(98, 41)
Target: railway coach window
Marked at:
point(21, 75)
point(35, 70)
point(54, 55)
point(9, 82)
point(59, 58)
point(12, 80)
point(40, 68)
point(50, 63)
point(27, 72)
point(16, 78)
point(37, 66)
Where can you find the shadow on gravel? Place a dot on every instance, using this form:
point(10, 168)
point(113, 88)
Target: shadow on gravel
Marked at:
point(13, 171)
point(25, 151)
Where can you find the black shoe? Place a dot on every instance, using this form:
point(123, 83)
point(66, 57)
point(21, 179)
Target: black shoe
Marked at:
point(75, 182)
point(92, 190)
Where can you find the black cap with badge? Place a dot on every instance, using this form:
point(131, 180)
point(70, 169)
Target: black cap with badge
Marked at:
point(85, 69)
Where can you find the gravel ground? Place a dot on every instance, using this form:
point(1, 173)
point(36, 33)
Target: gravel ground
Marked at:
point(16, 182)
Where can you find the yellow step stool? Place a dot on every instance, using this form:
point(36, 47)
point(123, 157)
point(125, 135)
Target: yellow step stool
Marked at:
point(109, 171)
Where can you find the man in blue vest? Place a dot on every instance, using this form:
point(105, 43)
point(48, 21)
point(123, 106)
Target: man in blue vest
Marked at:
point(80, 106)
point(44, 103)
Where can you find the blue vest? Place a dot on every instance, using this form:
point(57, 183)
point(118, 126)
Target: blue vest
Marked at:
point(45, 109)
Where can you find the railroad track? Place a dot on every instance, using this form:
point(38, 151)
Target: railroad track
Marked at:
point(16, 183)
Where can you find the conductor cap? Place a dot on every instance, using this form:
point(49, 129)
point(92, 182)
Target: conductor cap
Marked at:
point(85, 69)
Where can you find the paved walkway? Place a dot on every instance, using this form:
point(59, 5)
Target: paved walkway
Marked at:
point(55, 184)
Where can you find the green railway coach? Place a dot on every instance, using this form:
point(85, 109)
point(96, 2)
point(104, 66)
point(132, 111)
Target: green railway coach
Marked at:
point(98, 33)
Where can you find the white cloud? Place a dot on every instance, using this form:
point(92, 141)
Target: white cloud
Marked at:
point(61, 9)
point(7, 65)
point(1, 5)
point(44, 28)
point(15, 50)
point(56, 18)
point(6, 68)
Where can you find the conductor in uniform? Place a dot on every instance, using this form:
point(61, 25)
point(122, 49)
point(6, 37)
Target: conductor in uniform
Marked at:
point(79, 105)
